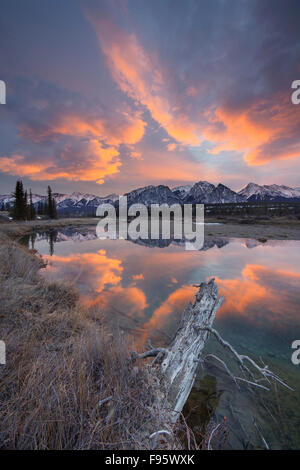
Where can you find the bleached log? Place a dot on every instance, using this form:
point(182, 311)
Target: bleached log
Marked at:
point(174, 368)
point(179, 361)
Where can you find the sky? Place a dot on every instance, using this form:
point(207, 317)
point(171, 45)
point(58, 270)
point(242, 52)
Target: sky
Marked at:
point(104, 96)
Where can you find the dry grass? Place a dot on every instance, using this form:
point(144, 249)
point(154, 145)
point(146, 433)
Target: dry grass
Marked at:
point(62, 365)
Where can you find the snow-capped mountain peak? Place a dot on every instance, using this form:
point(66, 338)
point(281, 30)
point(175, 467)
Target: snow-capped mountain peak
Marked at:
point(182, 191)
point(152, 195)
point(207, 193)
point(75, 202)
point(272, 192)
point(76, 196)
point(201, 192)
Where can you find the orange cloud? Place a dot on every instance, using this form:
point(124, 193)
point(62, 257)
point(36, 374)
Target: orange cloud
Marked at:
point(176, 302)
point(129, 300)
point(16, 165)
point(171, 146)
point(71, 139)
point(93, 163)
point(128, 130)
point(98, 277)
point(262, 294)
point(139, 75)
point(264, 131)
point(91, 272)
point(239, 294)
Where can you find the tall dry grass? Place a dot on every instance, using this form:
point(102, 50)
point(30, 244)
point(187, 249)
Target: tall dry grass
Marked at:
point(68, 382)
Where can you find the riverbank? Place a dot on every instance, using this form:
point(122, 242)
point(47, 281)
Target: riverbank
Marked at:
point(68, 382)
point(275, 228)
point(15, 230)
point(268, 231)
point(50, 321)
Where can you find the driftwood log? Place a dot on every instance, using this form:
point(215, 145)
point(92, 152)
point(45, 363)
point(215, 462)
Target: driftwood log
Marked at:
point(174, 368)
point(181, 358)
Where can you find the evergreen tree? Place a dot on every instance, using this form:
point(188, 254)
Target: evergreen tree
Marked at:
point(52, 239)
point(25, 207)
point(51, 205)
point(54, 208)
point(46, 208)
point(24, 210)
point(31, 211)
point(19, 209)
point(32, 239)
point(40, 209)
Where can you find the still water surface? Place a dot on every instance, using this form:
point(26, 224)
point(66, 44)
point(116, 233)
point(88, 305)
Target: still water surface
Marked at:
point(144, 288)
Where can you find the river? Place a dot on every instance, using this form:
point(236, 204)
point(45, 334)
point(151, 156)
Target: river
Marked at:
point(143, 288)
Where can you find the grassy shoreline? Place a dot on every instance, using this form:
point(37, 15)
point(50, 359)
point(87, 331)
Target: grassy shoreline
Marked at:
point(277, 228)
point(68, 382)
point(15, 230)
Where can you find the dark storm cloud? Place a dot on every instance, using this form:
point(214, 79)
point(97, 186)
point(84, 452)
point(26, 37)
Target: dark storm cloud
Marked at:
point(93, 86)
point(235, 50)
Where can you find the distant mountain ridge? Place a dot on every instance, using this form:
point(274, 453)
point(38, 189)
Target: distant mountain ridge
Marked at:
point(201, 192)
point(272, 192)
point(206, 193)
point(152, 195)
point(75, 203)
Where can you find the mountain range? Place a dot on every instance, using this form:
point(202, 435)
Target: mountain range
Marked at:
point(273, 192)
point(201, 193)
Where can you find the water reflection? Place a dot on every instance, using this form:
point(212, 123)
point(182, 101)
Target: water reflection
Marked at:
point(145, 286)
point(202, 404)
point(152, 285)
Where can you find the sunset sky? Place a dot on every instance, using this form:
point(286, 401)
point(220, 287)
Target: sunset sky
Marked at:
point(108, 95)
